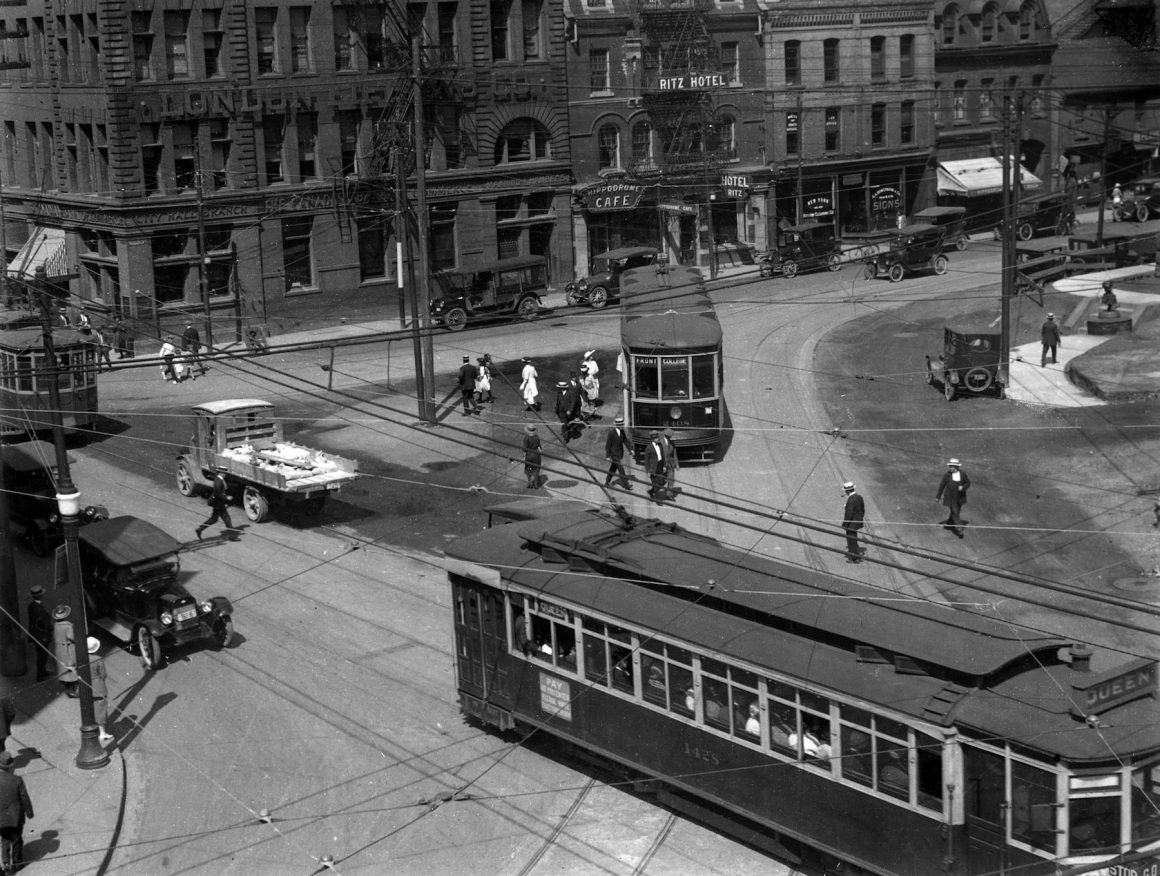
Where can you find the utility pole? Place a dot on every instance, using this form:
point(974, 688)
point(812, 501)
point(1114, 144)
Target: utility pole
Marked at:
point(3, 247)
point(425, 349)
point(12, 663)
point(203, 256)
point(1104, 174)
point(91, 755)
point(1007, 285)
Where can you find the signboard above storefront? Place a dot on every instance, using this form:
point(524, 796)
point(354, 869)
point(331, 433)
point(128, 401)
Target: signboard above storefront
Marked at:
point(608, 197)
point(736, 186)
point(693, 82)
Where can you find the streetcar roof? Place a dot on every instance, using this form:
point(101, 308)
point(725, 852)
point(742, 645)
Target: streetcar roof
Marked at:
point(667, 310)
point(231, 405)
point(827, 631)
point(20, 340)
point(29, 456)
point(126, 540)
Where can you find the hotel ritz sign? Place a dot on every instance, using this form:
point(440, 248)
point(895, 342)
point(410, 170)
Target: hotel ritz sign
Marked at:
point(693, 82)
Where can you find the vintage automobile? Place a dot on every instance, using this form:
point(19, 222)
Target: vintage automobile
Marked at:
point(29, 478)
point(911, 248)
point(969, 362)
point(1141, 201)
point(952, 220)
point(493, 290)
point(132, 590)
point(806, 247)
point(603, 284)
point(1051, 214)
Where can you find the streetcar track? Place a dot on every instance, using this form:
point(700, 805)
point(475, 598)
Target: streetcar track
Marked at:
point(550, 840)
point(658, 841)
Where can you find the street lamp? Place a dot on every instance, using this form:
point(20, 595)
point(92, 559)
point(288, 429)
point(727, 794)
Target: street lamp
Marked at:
point(91, 755)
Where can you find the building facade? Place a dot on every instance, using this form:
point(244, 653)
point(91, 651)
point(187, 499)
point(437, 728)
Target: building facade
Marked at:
point(242, 159)
point(848, 111)
point(668, 135)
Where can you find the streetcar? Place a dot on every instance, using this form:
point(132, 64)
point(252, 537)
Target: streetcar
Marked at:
point(25, 408)
point(670, 360)
point(900, 737)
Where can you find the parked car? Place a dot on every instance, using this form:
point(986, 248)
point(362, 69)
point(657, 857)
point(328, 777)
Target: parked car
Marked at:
point(806, 247)
point(911, 248)
point(603, 284)
point(969, 362)
point(1141, 201)
point(132, 590)
point(492, 290)
point(953, 222)
point(1053, 214)
point(29, 479)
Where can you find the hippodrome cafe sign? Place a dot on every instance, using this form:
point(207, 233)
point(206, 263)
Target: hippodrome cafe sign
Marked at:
point(606, 197)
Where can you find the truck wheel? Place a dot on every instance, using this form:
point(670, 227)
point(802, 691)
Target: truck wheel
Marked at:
point(940, 264)
point(597, 297)
point(833, 262)
point(528, 308)
point(185, 482)
point(455, 319)
point(255, 505)
point(789, 269)
point(1025, 231)
point(148, 648)
point(897, 272)
point(223, 631)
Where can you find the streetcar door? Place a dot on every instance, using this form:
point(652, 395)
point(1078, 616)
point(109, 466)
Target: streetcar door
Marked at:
point(985, 810)
point(480, 642)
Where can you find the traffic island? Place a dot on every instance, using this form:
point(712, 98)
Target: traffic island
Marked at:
point(1109, 322)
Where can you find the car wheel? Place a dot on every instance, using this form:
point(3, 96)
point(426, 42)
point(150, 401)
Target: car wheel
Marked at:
point(598, 297)
point(255, 505)
point(223, 631)
point(948, 388)
point(147, 648)
point(789, 269)
point(833, 262)
point(766, 269)
point(185, 483)
point(940, 264)
point(570, 297)
point(1142, 213)
point(1118, 214)
point(455, 319)
point(962, 242)
point(528, 308)
point(1025, 231)
point(897, 272)
point(871, 271)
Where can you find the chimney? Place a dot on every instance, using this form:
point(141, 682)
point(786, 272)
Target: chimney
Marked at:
point(1081, 657)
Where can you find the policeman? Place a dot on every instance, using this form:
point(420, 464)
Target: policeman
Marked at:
point(40, 628)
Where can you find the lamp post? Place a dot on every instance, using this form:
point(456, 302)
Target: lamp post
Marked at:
point(91, 755)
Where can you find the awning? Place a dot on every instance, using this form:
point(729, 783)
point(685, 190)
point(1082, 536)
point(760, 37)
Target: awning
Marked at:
point(46, 247)
point(978, 176)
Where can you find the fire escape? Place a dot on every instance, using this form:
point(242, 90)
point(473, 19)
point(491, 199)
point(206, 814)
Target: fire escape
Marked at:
point(679, 70)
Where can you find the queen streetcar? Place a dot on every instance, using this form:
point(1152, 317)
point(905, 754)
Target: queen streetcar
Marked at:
point(901, 737)
point(670, 358)
point(25, 408)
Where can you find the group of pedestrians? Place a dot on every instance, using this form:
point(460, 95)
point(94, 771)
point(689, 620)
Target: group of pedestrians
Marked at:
point(112, 334)
point(178, 363)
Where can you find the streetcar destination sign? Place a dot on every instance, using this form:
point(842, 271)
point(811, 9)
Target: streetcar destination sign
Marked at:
point(1104, 691)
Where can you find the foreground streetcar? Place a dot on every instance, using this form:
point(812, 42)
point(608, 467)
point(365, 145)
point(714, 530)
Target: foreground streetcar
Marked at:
point(904, 738)
point(670, 361)
point(24, 374)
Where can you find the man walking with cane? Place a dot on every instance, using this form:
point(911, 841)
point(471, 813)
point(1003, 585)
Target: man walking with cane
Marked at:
point(614, 447)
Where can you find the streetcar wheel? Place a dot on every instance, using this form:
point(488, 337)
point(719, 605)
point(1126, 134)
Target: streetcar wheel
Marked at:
point(871, 271)
point(1024, 231)
point(256, 506)
point(455, 319)
point(897, 272)
point(940, 264)
point(789, 269)
point(223, 631)
point(1142, 213)
point(962, 242)
point(833, 262)
point(598, 297)
point(185, 483)
point(948, 388)
point(147, 648)
point(528, 308)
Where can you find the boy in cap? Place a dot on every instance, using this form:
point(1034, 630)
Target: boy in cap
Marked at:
point(952, 492)
point(40, 628)
point(467, 377)
point(15, 807)
point(853, 519)
point(533, 457)
point(1049, 335)
point(615, 444)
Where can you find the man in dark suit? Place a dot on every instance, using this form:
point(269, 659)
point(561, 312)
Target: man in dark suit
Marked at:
point(191, 344)
point(615, 444)
point(467, 375)
point(40, 628)
point(219, 501)
point(568, 409)
point(853, 519)
point(656, 464)
point(15, 807)
point(952, 492)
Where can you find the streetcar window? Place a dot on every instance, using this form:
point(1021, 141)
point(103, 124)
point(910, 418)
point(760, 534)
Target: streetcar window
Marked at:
point(815, 740)
point(1033, 806)
point(857, 755)
point(622, 671)
point(646, 383)
point(704, 376)
point(1093, 812)
point(653, 670)
point(893, 767)
point(542, 637)
point(682, 699)
point(565, 647)
point(674, 378)
point(595, 652)
point(1145, 803)
point(64, 366)
point(783, 727)
point(8, 366)
point(930, 778)
point(715, 696)
point(26, 367)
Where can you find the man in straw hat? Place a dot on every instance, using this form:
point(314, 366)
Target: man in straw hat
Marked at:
point(952, 492)
point(99, 678)
point(853, 519)
point(1049, 335)
point(15, 807)
point(615, 443)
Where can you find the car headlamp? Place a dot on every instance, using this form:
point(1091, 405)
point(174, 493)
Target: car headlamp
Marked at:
point(166, 618)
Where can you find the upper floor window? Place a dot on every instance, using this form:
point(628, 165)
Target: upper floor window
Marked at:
point(177, 44)
point(300, 57)
point(265, 28)
point(500, 39)
point(878, 124)
point(142, 46)
point(878, 58)
point(830, 70)
point(344, 39)
point(533, 36)
point(906, 122)
point(448, 36)
point(730, 63)
point(211, 39)
point(987, 100)
point(598, 71)
point(960, 100)
point(793, 62)
point(833, 128)
point(1037, 94)
point(722, 137)
point(950, 25)
point(1028, 21)
point(608, 147)
point(792, 132)
point(523, 140)
point(906, 56)
point(641, 143)
point(936, 99)
point(989, 25)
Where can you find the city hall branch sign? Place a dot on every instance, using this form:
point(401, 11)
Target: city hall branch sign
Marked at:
point(606, 197)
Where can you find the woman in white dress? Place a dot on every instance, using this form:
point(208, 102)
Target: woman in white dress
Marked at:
point(529, 388)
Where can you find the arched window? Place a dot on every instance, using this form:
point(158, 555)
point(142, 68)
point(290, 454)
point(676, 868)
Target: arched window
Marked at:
point(1028, 24)
point(641, 144)
point(608, 146)
point(989, 24)
point(523, 140)
point(721, 136)
point(950, 25)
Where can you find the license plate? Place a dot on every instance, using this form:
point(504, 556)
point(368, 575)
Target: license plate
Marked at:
point(185, 614)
